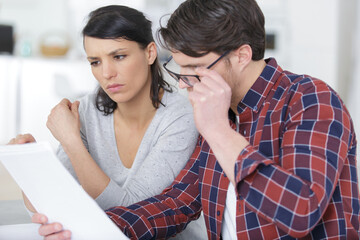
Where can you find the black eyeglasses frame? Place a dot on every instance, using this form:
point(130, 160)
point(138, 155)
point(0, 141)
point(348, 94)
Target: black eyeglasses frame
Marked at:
point(184, 77)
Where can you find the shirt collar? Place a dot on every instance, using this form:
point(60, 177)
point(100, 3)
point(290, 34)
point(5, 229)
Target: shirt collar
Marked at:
point(256, 95)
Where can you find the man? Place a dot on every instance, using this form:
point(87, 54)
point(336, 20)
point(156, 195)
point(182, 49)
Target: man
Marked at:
point(276, 157)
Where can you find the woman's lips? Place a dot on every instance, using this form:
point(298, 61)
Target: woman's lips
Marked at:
point(114, 87)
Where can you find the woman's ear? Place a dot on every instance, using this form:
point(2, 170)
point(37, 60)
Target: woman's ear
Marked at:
point(151, 52)
point(243, 55)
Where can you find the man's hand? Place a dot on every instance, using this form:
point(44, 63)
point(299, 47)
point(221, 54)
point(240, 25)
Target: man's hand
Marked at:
point(50, 231)
point(210, 99)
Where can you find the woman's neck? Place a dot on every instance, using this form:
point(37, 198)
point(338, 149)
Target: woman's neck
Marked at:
point(137, 112)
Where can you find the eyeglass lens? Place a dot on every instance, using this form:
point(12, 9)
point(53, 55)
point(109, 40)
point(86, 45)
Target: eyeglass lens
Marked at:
point(190, 80)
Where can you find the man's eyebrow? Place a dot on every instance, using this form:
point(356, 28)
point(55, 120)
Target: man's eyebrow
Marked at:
point(192, 65)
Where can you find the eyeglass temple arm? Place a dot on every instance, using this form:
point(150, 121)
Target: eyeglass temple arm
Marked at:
point(223, 55)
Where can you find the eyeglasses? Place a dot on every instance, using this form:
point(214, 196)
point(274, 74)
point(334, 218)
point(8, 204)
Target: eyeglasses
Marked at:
point(190, 80)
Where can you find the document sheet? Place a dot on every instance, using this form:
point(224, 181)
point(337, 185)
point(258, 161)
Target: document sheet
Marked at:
point(55, 193)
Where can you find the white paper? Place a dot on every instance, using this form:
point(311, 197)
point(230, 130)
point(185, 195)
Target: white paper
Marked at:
point(27, 231)
point(55, 193)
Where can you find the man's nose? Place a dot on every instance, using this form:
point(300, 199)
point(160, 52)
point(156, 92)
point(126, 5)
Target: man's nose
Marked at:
point(183, 85)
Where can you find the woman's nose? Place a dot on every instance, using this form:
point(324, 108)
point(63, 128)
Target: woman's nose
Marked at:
point(109, 71)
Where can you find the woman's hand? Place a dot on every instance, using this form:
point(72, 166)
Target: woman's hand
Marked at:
point(50, 231)
point(21, 139)
point(64, 122)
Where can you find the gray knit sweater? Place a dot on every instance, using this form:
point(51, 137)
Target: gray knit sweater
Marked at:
point(165, 148)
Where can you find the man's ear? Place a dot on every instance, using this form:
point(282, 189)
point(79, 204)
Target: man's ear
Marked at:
point(151, 52)
point(243, 55)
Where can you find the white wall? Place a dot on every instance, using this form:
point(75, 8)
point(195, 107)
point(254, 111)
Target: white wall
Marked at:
point(33, 19)
point(354, 84)
point(307, 36)
point(8, 94)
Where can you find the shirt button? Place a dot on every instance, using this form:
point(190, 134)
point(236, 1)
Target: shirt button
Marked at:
point(239, 207)
point(218, 213)
point(244, 132)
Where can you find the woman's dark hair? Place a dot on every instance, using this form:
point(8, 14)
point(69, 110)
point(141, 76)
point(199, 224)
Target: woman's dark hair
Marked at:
point(198, 27)
point(114, 22)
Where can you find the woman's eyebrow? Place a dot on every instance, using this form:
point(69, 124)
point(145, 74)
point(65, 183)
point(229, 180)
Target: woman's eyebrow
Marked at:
point(116, 51)
point(92, 58)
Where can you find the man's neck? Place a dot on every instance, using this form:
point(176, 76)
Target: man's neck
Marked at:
point(246, 80)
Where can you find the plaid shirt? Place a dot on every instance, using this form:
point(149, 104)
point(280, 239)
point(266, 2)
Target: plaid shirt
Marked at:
point(296, 179)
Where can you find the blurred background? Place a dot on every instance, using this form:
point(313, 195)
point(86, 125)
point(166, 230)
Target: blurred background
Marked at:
point(42, 59)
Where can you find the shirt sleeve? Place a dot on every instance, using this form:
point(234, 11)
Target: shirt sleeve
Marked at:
point(294, 190)
point(166, 214)
point(166, 158)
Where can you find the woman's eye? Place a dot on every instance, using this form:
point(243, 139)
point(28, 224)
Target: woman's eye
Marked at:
point(94, 63)
point(119, 57)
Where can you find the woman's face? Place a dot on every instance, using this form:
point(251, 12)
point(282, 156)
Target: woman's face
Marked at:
point(120, 66)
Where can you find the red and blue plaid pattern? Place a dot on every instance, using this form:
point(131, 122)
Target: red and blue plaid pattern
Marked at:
point(296, 179)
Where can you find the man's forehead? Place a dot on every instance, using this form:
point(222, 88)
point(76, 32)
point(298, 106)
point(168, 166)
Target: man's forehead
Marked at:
point(184, 60)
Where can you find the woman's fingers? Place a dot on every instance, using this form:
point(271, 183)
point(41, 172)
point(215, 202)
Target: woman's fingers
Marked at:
point(22, 138)
point(51, 228)
point(39, 218)
point(51, 231)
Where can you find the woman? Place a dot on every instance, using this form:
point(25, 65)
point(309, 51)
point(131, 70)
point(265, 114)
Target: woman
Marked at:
point(128, 141)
